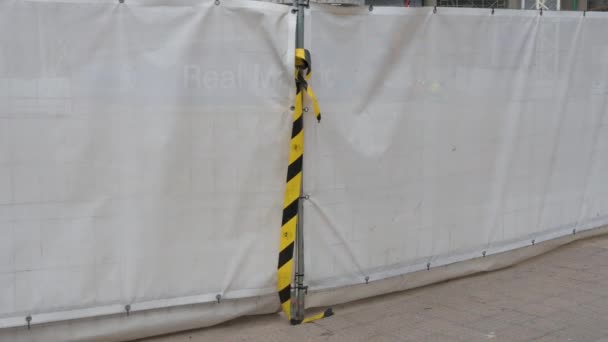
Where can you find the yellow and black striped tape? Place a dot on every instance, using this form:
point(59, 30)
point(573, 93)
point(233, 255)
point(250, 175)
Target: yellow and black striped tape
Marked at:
point(303, 62)
point(294, 184)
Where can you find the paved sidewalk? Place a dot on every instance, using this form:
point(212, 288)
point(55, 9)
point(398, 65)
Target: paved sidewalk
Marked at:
point(560, 296)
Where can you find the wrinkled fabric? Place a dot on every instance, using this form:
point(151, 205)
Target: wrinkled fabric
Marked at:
point(143, 151)
point(450, 136)
point(144, 147)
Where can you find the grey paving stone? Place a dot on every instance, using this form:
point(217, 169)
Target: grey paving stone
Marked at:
point(560, 296)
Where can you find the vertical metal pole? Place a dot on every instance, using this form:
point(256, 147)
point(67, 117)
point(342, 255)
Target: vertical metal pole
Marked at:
point(299, 272)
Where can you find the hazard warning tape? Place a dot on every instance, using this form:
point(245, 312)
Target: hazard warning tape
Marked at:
point(294, 184)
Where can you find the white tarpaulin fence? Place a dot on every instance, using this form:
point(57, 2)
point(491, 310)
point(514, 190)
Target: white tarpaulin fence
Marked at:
point(143, 152)
point(452, 134)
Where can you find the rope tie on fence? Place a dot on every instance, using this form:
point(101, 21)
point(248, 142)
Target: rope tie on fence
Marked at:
point(303, 73)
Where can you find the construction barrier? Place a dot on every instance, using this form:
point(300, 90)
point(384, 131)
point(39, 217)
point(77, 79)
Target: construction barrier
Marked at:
point(143, 152)
point(451, 134)
point(144, 147)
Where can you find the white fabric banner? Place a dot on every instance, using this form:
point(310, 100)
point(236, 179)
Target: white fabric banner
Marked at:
point(449, 135)
point(143, 152)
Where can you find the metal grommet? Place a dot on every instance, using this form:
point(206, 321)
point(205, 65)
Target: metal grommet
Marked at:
point(217, 2)
point(306, 109)
point(371, 8)
point(292, 108)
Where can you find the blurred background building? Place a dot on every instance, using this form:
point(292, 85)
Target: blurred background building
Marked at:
point(564, 5)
